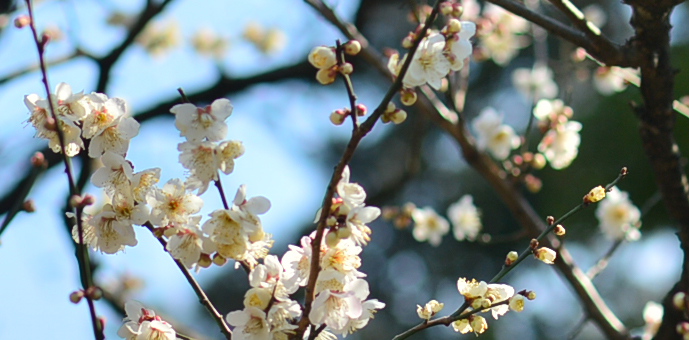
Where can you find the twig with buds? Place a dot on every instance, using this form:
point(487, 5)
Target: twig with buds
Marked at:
point(82, 250)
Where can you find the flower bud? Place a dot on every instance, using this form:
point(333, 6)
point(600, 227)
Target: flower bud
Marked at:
point(550, 220)
point(50, 124)
point(517, 303)
point(88, 200)
point(533, 243)
point(454, 26)
point(75, 201)
point(559, 230)
point(337, 117)
point(596, 194)
point(204, 261)
point(485, 303)
point(511, 257)
point(683, 327)
point(352, 47)
point(408, 41)
point(331, 239)
point(546, 255)
point(398, 116)
point(346, 69)
point(457, 10)
point(219, 260)
point(94, 293)
point(476, 304)
point(75, 297)
point(38, 160)
point(446, 8)
point(361, 110)
point(538, 161)
point(390, 108)
point(408, 97)
point(679, 301)
point(429, 310)
point(531, 295)
point(22, 21)
point(29, 206)
point(325, 76)
point(322, 57)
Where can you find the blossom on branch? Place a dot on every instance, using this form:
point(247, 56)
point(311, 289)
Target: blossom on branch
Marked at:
point(428, 225)
point(143, 324)
point(499, 139)
point(618, 217)
point(196, 123)
point(465, 218)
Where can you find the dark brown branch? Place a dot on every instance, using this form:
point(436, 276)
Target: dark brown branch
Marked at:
point(106, 63)
point(600, 48)
point(203, 298)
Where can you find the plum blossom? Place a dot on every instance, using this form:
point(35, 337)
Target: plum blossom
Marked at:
point(465, 218)
point(502, 36)
point(69, 105)
point(536, 83)
point(336, 307)
point(188, 243)
point(115, 175)
point(173, 204)
point(499, 139)
point(429, 64)
point(249, 324)
point(369, 309)
point(105, 233)
point(142, 324)
point(429, 226)
point(560, 145)
point(197, 123)
point(115, 137)
point(429, 309)
point(297, 261)
point(270, 275)
point(103, 112)
point(618, 217)
point(225, 231)
point(143, 183)
point(459, 45)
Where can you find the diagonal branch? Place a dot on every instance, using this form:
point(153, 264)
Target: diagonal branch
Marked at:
point(515, 202)
point(599, 47)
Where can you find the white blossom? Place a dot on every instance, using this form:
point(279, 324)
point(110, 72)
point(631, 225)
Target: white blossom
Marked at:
point(115, 175)
point(560, 145)
point(249, 324)
point(336, 308)
point(105, 233)
point(197, 123)
point(460, 47)
point(536, 83)
point(618, 217)
point(429, 64)
point(173, 204)
point(429, 226)
point(465, 218)
point(297, 261)
point(499, 139)
point(114, 138)
point(142, 324)
point(188, 243)
point(103, 112)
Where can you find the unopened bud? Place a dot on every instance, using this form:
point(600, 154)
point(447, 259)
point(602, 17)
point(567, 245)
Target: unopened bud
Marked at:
point(531, 295)
point(45, 38)
point(38, 160)
point(75, 297)
point(408, 41)
point(88, 200)
point(559, 230)
point(332, 240)
point(75, 201)
point(408, 97)
point(546, 255)
point(29, 206)
point(337, 117)
point(683, 327)
point(446, 8)
point(205, 261)
point(538, 161)
point(511, 257)
point(623, 172)
point(596, 194)
point(485, 303)
point(361, 110)
point(533, 244)
point(398, 116)
point(454, 26)
point(550, 220)
point(477, 304)
point(390, 108)
point(94, 293)
point(346, 69)
point(457, 10)
point(325, 76)
point(352, 47)
point(22, 21)
point(219, 260)
point(679, 301)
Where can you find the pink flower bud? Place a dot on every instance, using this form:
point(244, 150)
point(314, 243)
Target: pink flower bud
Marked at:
point(22, 21)
point(352, 47)
point(38, 160)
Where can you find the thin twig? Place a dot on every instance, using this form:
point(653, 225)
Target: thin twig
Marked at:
point(203, 298)
point(602, 50)
point(82, 250)
point(34, 174)
point(357, 135)
point(578, 328)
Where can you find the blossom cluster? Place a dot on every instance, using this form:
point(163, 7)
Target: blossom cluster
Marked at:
point(143, 324)
point(340, 293)
point(431, 227)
